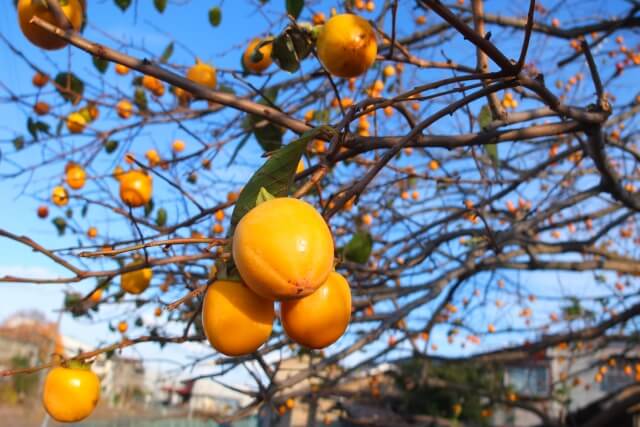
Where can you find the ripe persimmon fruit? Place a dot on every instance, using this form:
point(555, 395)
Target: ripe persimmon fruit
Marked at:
point(135, 282)
point(283, 249)
point(40, 37)
point(236, 320)
point(264, 62)
point(319, 319)
point(136, 188)
point(70, 394)
point(347, 45)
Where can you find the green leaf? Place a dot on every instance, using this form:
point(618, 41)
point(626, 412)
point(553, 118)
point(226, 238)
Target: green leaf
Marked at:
point(140, 99)
point(263, 196)
point(215, 16)
point(359, 247)
point(123, 4)
point(160, 5)
point(161, 217)
point(241, 144)
point(110, 145)
point(70, 87)
point(275, 175)
point(166, 53)
point(84, 210)
point(61, 225)
point(268, 135)
point(18, 142)
point(284, 53)
point(291, 47)
point(294, 7)
point(321, 116)
point(101, 64)
point(492, 152)
point(485, 118)
point(148, 208)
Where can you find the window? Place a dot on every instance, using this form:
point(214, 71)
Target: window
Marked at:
point(615, 379)
point(532, 381)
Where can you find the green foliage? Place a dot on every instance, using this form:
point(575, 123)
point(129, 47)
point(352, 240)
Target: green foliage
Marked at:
point(101, 64)
point(160, 5)
point(70, 87)
point(275, 176)
point(23, 384)
point(291, 47)
point(215, 16)
point(294, 7)
point(359, 247)
point(123, 4)
point(166, 53)
point(463, 384)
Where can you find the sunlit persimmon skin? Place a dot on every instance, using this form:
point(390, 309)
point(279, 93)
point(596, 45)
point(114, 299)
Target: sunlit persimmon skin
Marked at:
point(203, 74)
point(347, 45)
point(236, 321)
point(136, 188)
point(135, 282)
point(40, 37)
point(265, 61)
point(75, 176)
point(70, 395)
point(59, 196)
point(76, 123)
point(318, 320)
point(283, 249)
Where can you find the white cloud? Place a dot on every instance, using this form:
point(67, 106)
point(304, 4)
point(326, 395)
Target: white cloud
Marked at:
point(31, 271)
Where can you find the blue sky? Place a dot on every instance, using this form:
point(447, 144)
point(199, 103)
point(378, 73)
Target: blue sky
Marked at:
point(221, 46)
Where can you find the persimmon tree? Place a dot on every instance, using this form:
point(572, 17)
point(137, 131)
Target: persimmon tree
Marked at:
point(479, 179)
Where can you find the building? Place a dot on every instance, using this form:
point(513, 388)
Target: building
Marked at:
point(28, 339)
point(571, 379)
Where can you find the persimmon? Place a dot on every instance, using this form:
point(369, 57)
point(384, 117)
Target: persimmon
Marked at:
point(136, 188)
point(59, 196)
point(43, 211)
point(236, 320)
point(178, 146)
point(318, 18)
point(347, 45)
point(75, 176)
point(96, 295)
point(124, 109)
point(319, 319)
point(203, 74)
point(123, 327)
point(70, 394)
point(41, 108)
point(135, 282)
point(27, 9)
point(121, 69)
point(263, 63)
point(152, 157)
point(92, 232)
point(153, 85)
point(40, 79)
point(76, 122)
point(283, 249)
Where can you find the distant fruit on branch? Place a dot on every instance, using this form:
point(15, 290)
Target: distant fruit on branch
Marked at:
point(136, 188)
point(347, 45)
point(40, 37)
